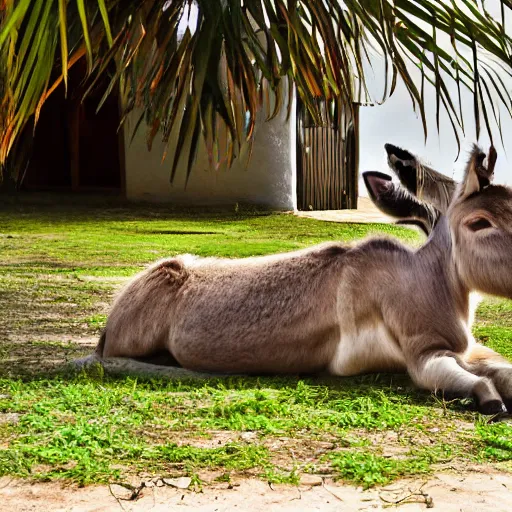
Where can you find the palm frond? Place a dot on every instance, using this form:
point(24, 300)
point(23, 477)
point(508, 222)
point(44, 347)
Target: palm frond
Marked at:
point(221, 68)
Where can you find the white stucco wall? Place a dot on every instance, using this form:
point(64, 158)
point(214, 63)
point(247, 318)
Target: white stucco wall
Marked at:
point(268, 180)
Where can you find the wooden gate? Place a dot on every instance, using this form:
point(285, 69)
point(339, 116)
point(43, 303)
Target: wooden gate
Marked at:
point(327, 161)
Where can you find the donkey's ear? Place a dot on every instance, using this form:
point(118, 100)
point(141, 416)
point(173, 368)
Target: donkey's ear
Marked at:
point(405, 165)
point(393, 199)
point(479, 173)
point(377, 183)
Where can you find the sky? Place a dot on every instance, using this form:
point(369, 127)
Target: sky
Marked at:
point(396, 122)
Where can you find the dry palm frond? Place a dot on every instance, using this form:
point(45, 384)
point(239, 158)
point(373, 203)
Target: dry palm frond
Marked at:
point(217, 69)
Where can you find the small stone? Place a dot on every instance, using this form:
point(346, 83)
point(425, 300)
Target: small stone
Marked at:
point(159, 483)
point(9, 417)
point(149, 483)
point(311, 480)
point(121, 492)
point(180, 483)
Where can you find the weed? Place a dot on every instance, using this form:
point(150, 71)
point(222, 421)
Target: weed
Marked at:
point(368, 469)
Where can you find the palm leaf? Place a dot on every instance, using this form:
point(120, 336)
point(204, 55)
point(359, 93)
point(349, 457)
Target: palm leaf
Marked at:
point(241, 56)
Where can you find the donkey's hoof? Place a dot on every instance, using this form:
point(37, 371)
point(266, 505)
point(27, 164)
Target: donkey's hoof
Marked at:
point(492, 407)
point(508, 404)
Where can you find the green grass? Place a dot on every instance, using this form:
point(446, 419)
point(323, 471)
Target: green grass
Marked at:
point(369, 469)
point(60, 267)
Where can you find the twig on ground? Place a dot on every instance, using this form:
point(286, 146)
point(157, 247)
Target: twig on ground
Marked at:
point(7, 484)
point(115, 497)
point(300, 495)
point(135, 491)
point(427, 499)
point(330, 492)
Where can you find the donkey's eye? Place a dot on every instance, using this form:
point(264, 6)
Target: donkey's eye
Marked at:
point(479, 224)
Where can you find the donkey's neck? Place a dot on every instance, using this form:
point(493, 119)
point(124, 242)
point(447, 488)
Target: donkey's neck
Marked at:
point(436, 255)
point(439, 244)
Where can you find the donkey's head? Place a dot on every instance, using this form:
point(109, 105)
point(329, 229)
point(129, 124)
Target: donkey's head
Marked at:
point(480, 220)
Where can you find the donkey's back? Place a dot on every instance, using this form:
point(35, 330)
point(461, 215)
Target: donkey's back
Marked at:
point(271, 314)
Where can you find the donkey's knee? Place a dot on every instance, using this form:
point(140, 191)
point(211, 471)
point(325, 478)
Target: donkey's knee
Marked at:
point(444, 373)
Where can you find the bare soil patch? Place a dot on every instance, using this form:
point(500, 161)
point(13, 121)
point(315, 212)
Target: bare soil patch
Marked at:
point(475, 491)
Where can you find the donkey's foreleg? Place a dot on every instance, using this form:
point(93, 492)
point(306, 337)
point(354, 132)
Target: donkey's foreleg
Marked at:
point(443, 372)
point(485, 362)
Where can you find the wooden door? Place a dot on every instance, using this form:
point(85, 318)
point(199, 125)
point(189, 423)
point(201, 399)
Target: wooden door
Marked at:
point(327, 161)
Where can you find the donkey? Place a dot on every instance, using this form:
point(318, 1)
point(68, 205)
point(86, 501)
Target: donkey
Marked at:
point(373, 307)
point(422, 196)
point(401, 201)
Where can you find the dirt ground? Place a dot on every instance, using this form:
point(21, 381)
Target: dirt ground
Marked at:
point(470, 491)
